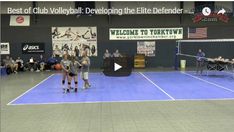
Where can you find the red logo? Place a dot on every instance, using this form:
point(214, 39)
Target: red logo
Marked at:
point(20, 19)
point(199, 17)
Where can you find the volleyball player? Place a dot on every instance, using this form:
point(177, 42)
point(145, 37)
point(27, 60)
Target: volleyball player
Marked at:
point(65, 63)
point(85, 63)
point(74, 66)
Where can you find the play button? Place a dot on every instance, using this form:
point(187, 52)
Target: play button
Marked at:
point(117, 66)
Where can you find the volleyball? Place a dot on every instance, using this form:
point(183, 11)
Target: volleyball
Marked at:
point(58, 67)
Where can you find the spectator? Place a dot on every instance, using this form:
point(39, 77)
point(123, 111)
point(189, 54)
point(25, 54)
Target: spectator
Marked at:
point(14, 65)
point(32, 64)
point(41, 63)
point(107, 54)
point(8, 64)
point(20, 63)
point(117, 54)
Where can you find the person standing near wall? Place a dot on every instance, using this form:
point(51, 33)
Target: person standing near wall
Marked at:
point(117, 54)
point(200, 61)
point(106, 59)
point(107, 54)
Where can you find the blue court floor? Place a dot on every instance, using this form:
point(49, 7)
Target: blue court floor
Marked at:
point(139, 86)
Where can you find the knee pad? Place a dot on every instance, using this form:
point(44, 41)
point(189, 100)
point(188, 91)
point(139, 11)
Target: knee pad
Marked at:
point(69, 83)
point(76, 82)
point(63, 81)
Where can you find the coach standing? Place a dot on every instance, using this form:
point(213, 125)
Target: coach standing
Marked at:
point(200, 61)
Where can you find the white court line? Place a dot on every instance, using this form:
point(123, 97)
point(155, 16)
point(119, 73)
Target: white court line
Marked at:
point(229, 72)
point(157, 86)
point(222, 87)
point(130, 101)
point(29, 90)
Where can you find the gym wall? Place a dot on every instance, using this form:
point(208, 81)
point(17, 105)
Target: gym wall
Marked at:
point(40, 31)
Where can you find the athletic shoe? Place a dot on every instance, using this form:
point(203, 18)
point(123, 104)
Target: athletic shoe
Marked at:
point(87, 86)
point(84, 87)
point(64, 91)
point(76, 89)
point(68, 91)
point(64, 88)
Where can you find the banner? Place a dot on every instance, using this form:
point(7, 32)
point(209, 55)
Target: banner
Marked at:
point(5, 48)
point(146, 47)
point(33, 48)
point(74, 40)
point(20, 20)
point(145, 33)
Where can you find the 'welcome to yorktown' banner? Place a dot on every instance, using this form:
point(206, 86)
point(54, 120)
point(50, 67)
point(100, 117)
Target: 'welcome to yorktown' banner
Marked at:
point(145, 33)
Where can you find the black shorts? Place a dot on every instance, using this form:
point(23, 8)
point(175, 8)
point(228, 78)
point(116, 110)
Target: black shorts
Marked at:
point(72, 74)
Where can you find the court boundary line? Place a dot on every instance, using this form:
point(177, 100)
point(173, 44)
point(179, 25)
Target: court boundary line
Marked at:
point(129, 101)
point(228, 72)
point(133, 101)
point(157, 86)
point(10, 103)
point(211, 83)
